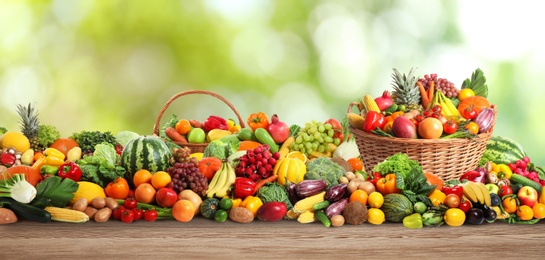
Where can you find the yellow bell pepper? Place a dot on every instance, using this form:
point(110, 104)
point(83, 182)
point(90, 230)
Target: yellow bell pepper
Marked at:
point(236, 202)
point(54, 157)
point(252, 203)
point(232, 126)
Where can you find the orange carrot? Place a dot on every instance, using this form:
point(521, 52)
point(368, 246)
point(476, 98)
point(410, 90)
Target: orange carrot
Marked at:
point(262, 182)
point(174, 135)
point(423, 94)
point(431, 91)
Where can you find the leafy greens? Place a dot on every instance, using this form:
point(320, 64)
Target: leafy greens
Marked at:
point(103, 166)
point(54, 191)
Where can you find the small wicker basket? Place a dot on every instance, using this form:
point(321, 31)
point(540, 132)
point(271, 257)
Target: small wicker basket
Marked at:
point(447, 158)
point(195, 148)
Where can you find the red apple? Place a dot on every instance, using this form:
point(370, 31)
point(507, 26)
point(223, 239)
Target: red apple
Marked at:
point(337, 127)
point(166, 197)
point(527, 196)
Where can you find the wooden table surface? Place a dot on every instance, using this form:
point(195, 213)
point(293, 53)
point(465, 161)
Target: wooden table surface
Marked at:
point(207, 239)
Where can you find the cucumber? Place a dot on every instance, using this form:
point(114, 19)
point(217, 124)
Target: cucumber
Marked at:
point(246, 134)
point(321, 205)
point(264, 137)
point(26, 211)
point(322, 217)
point(525, 182)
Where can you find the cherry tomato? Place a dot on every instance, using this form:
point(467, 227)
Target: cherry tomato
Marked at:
point(450, 127)
point(150, 215)
point(138, 213)
point(505, 190)
point(127, 216)
point(472, 127)
point(130, 203)
point(116, 214)
point(469, 113)
point(437, 109)
point(465, 205)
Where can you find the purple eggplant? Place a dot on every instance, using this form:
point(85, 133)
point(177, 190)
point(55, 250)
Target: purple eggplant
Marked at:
point(484, 119)
point(336, 192)
point(336, 208)
point(292, 193)
point(307, 188)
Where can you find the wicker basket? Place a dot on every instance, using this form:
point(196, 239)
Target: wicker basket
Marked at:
point(447, 158)
point(195, 148)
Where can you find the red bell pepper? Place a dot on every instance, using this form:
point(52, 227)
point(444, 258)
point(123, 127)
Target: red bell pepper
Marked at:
point(454, 189)
point(70, 170)
point(244, 187)
point(8, 159)
point(474, 176)
point(373, 120)
point(215, 122)
point(374, 177)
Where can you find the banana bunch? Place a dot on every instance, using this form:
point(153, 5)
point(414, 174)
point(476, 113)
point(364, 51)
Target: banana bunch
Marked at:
point(222, 181)
point(448, 109)
point(477, 192)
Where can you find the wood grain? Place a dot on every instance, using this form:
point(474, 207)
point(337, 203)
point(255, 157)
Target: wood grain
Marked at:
point(203, 238)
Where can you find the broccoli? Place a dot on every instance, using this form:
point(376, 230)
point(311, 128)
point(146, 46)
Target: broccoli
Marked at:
point(323, 168)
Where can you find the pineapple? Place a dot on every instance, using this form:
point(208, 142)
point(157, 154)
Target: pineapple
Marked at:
point(30, 125)
point(405, 90)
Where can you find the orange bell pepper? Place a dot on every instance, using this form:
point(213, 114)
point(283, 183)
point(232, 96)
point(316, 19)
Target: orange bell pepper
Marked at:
point(117, 189)
point(258, 120)
point(387, 184)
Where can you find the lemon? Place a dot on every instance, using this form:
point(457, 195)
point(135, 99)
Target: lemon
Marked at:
point(298, 155)
point(199, 156)
point(16, 141)
point(375, 216)
point(88, 190)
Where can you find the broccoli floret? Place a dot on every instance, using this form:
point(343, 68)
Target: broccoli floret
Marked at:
point(323, 168)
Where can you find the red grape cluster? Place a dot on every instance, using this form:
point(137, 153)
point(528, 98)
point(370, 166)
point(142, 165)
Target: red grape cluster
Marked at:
point(185, 173)
point(257, 164)
point(521, 167)
point(441, 84)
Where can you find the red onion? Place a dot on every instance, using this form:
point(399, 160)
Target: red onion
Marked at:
point(279, 130)
point(484, 119)
point(384, 101)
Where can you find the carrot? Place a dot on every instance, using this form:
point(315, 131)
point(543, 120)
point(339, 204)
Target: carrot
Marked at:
point(431, 91)
point(423, 94)
point(262, 182)
point(174, 135)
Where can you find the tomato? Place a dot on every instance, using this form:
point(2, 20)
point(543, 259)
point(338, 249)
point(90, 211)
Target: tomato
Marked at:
point(183, 210)
point(116, 214)
point(465, 205)
point(130, 203)
point(472, 127)
point(430, 128)
point(145, 193)
point(127, 216)
point(450, 127)
point(525, 212)
point(505, 190)
point(469, 113)
point(150, 215)
point(452, 201)
point(455, 217)
point(138, 213)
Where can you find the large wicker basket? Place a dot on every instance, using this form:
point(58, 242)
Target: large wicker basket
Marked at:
point(195, 148)
point(447, 158)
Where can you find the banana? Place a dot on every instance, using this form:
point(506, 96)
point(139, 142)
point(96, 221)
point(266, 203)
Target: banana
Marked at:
point(477, 189)
point(231, 177)
point(470, 193)
point(485, 192)
point(451, 107)
point(218, 181)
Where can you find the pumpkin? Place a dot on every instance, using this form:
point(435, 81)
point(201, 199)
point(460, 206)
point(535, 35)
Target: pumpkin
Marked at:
point(209, 207)
point(434, 179)
point(474, 102)
point(208, 166)
point(396, 207)
point(248, 145)
point(290, 169)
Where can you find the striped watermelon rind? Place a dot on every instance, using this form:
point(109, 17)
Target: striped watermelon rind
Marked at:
point(145, 152)
point(501, 149)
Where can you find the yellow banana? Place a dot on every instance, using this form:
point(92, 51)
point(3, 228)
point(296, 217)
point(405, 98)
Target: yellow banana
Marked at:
point(221, 175)
point(485, 193)
point(470, 193)
point(231, 177)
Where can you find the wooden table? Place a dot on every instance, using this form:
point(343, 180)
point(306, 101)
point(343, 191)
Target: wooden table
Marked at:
point(207, 239)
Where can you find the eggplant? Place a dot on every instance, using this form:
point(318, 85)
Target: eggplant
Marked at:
point(484, 119)
point(336, 192)
point(336, 208)
point(490, 215)
point(475, 216)
point(292, 193)
point(307, 188)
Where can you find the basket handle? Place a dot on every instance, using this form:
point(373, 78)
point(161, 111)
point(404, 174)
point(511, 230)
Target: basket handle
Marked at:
point(190, 92)
point(351, 105)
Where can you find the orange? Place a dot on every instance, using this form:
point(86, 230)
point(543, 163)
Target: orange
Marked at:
point(430, 128)
point(141, 176)
point(465, 93)
point(183, 210)
point(298, 155)
point(539, 210)
point(356, 164)
point(64, 145)
point(145, 193)
point(160, 179)
point(524, 212)
point(359, 195)
point(183, 126)
point(472, 127)
point(509, 205)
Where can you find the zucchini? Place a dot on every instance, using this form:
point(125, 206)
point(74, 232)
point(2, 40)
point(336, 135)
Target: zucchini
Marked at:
point(246, 134)
point(264, 137)
point(525, 182)
point(26, 211)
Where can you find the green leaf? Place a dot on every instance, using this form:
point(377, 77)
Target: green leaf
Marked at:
point(54, 191)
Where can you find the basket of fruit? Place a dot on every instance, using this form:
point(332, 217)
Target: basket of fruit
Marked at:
point(447, 135)
point(193, 133)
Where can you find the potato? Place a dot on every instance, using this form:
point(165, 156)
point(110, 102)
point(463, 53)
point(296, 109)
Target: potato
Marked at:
point(337, 220)
point(80, 204)
point(241, 215)
point(98, 203)
point(111, 203)
point(7, 216)
point(90, 211)
point(103, 215)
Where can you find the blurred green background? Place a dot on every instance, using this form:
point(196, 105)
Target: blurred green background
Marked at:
point(112, 65)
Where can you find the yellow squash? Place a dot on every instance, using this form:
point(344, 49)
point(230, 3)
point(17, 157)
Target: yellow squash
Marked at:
point(290, 169)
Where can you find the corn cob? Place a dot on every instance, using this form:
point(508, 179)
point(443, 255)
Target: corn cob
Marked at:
point(292, 215)
point(67, 215)
point(285, 148)
point(370, 104)
point(306, 204)
point(355, 120)
point(306, 217)
point(316, 154)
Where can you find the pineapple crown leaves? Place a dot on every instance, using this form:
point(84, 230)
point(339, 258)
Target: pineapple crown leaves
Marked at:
point(404, 80)
point(30, 124)
point(405, 89)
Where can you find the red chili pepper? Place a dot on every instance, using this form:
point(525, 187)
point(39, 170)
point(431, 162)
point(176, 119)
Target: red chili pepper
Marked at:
point(374, 177)
point(244, 187)
point(215, 122)
point(454, 189)
point(373, 120)
point(473, 175)
point(8, 159)
point(70, 170)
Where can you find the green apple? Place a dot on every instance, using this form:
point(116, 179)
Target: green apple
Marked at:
point(492, 188)
point(196, 136)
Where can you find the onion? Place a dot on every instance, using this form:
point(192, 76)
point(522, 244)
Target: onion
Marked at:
point(279, 130)
point(384, 101)
point(484, 119)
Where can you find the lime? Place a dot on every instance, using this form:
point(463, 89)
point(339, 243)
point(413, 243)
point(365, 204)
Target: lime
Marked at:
point(221, 215)
point(226, 204)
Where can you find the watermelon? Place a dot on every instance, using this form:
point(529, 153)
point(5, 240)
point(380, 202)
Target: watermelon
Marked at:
point(501, 149)
point(145, 152)
point(396, 207)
